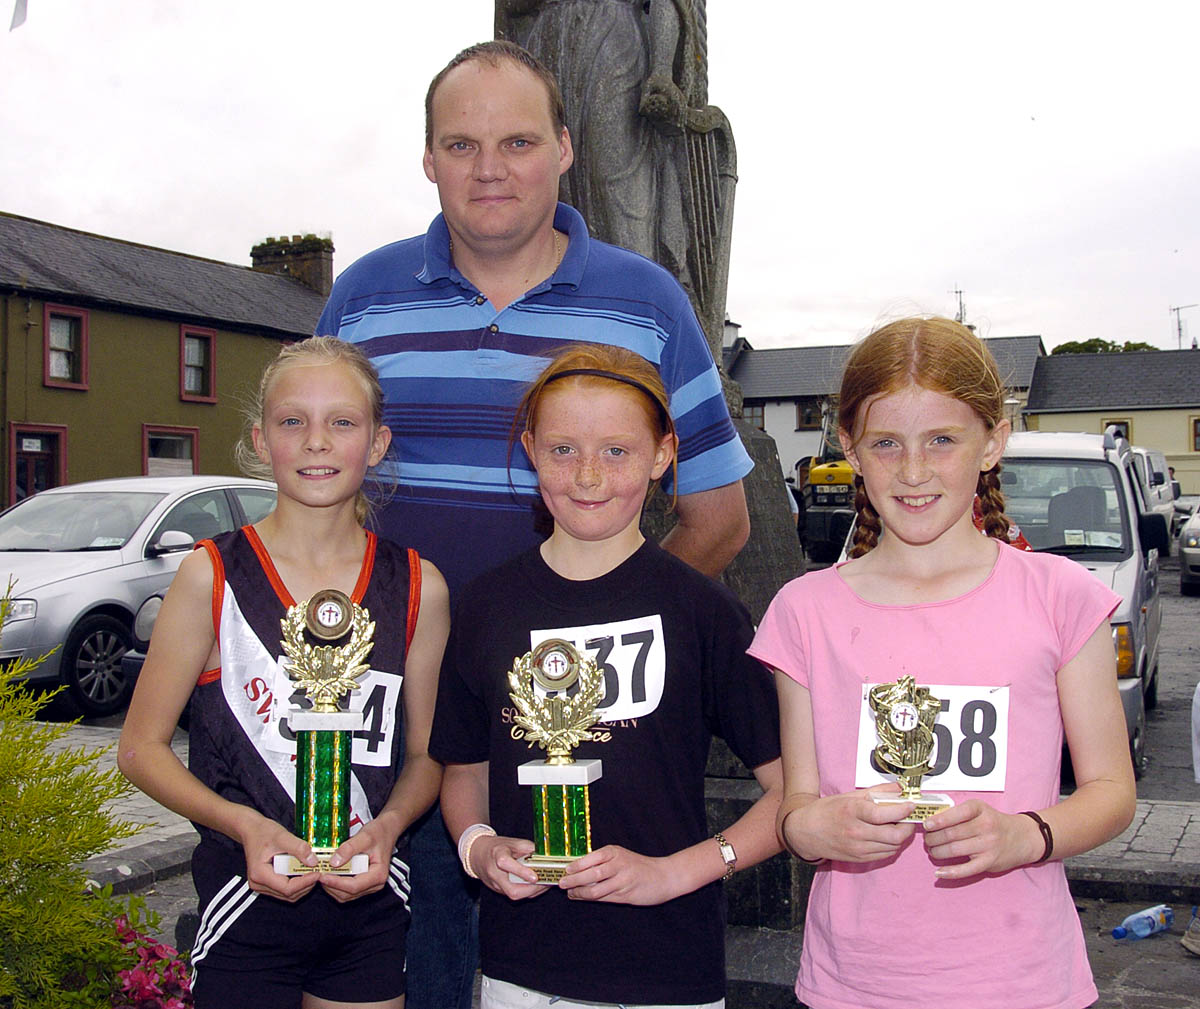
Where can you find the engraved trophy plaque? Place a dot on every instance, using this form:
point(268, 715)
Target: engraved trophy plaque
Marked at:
point(562, 816)
point(904, 717)
point(324, 732)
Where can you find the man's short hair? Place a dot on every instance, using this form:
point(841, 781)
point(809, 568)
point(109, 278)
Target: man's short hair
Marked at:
point(492, 53)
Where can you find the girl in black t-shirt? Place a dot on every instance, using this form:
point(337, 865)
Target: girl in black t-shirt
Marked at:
point(597, 428)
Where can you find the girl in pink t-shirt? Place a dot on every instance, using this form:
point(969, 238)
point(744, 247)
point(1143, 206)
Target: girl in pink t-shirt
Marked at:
point(971, 907)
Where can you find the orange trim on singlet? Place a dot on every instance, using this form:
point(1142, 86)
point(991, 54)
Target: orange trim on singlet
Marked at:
point(218, 589)
point(368, 565)
point(285, 597)
point(268, 567)
point(414, 596)
point(209, 676)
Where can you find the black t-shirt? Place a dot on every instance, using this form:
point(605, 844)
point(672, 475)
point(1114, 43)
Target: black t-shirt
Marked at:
point(672, 646)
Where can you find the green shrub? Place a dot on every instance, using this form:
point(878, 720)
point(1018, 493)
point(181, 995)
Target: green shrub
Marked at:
point(58, 945)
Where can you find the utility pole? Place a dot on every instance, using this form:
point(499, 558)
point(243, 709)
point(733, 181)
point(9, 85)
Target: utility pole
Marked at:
point(962, 309)
point(1179, 322)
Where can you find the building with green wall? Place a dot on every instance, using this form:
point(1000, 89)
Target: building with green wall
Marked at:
point(119, 359)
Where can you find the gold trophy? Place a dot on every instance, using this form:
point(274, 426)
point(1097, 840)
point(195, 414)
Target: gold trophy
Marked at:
point(562, 815)
point(324, 732)
point(904, 719)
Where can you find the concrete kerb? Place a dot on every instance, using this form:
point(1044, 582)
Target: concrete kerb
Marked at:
point(142, 865)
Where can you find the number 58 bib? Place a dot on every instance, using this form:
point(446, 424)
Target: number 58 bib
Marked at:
point(970, 750)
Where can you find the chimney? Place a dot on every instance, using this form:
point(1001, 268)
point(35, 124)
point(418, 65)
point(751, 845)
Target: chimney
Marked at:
point(306, 258)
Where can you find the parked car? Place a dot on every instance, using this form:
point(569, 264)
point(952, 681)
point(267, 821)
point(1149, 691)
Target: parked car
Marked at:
point(1185, 505)
point(1079, 495)
point(1158, 489)
point(84, 557)
point(1189, 555)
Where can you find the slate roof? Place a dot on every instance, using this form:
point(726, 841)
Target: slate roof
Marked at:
point(49, 261)
point(1015, 357)
point(1146, 379)
point(790, 372)
point(795, 372)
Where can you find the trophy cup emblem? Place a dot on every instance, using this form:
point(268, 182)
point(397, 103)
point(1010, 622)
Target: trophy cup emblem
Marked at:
point(904, 718)
point(326, 674)
point(558, 722)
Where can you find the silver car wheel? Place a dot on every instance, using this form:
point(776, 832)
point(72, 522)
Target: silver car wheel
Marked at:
point(92, 665)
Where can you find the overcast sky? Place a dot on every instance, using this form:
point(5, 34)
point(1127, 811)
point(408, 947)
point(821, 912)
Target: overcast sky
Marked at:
point(1042, 157)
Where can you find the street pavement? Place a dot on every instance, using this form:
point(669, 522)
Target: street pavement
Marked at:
point(1155, 860)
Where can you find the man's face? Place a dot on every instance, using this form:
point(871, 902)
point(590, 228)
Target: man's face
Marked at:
point(496, 155)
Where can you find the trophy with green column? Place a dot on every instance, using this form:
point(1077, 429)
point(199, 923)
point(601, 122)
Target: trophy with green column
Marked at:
point(324, 733)
point(558, 722)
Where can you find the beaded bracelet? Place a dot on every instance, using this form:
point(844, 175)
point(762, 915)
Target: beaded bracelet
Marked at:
point(467, 839)
point(1047, 835)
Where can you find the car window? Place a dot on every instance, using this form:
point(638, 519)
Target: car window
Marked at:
point(202, 516)
point(256, 502)
point(1067, 506)
point(98, 520)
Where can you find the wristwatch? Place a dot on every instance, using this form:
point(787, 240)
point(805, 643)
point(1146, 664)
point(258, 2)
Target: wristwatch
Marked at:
point(727, 854)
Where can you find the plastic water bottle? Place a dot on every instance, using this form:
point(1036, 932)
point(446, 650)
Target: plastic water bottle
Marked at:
point(1143, 923)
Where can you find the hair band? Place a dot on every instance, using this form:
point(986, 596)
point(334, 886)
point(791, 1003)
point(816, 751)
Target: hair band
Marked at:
point(615, 377)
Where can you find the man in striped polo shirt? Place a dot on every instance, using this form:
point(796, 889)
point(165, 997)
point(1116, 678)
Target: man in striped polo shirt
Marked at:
point(458, 321)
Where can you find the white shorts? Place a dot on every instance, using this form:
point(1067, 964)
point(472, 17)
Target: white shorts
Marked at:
point(502, 995)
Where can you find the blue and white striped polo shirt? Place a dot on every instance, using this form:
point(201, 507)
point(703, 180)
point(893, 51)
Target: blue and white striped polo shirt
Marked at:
point(453, 370)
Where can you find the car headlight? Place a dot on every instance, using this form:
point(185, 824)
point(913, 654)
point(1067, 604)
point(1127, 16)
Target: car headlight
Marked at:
point(1191, 540)
point(21, 609)
point(1122, 635)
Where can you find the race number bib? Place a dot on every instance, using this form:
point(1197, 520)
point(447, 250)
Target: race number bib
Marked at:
point(631, 657)
point(376, 698)
point(970, 750)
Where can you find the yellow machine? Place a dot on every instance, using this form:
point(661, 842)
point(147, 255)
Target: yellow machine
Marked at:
point(828, 499)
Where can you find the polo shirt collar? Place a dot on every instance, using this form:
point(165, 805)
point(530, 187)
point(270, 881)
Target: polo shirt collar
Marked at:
point(570, 271)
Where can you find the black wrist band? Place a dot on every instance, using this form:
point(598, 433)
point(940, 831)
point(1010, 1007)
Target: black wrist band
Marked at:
point(1047, 836)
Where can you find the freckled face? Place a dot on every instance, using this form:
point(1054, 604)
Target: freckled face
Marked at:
point(920, 454)
point(595, 453)
point(318, 434)
point(495, 155)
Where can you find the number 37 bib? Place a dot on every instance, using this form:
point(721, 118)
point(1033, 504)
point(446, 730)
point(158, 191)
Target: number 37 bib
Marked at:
point(970, 750)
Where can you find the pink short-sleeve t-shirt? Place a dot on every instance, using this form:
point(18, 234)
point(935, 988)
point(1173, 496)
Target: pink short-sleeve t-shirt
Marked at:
point(889, 933)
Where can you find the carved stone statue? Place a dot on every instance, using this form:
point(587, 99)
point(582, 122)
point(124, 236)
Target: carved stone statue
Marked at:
point(655, 165)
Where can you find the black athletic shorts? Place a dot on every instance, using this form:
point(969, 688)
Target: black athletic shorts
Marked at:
point(255, 949)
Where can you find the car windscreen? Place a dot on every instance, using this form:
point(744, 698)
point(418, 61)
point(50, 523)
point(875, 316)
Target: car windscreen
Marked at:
point(99, 520)
point(1068, 506)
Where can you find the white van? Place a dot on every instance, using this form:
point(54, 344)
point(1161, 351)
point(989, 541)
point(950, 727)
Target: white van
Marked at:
point(1158, 490)
point(1080, 495)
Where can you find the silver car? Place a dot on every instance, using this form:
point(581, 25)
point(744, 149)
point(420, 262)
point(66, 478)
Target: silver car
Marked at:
point(1189, 555)
point(82, 559)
